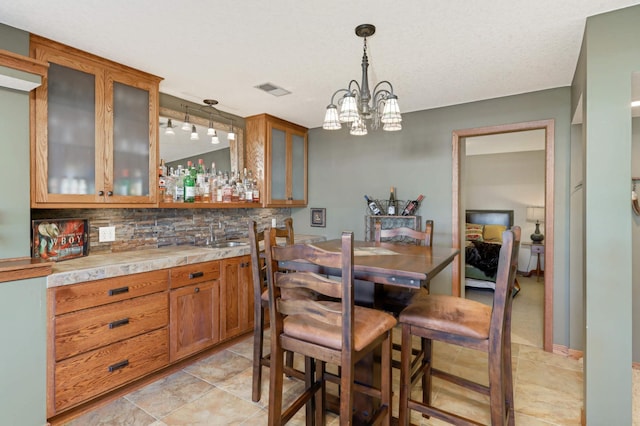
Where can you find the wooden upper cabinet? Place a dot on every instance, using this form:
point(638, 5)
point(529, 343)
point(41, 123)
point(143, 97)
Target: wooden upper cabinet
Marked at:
point(94, 131)
point(277, 154)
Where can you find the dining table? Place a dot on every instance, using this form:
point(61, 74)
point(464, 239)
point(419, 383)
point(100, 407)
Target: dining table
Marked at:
point(407, 266)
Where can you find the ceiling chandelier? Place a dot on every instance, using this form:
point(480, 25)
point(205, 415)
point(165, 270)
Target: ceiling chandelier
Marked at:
point(358, 106)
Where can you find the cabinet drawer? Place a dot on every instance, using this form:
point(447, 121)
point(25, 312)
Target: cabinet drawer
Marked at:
point(84, 376)
point(196, 273)
point(90, 329)
point(95, 293)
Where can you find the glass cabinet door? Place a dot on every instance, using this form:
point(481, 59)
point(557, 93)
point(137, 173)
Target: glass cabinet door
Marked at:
point(299, 168)
point(278, 164)
point(71, 123)
point(130, 141)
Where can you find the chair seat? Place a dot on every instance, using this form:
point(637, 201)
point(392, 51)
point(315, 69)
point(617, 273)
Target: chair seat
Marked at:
point(369, 324)
point(449, 314)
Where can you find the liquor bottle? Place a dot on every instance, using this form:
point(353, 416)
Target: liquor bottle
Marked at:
point(179, 180)
point(373, 206)
point(412, 206)
point(189, 189)
point(162, 169)
point(391, 207)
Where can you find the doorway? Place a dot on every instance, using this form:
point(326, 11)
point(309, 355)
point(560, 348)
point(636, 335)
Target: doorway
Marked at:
point(458, 209)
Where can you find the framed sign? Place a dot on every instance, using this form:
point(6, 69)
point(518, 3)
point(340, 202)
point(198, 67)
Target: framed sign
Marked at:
point(59, 239)
point(318, 217)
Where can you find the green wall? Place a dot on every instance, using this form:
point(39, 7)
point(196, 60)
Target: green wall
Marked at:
point(418, 160)
point(610, 55)
point(22, 303)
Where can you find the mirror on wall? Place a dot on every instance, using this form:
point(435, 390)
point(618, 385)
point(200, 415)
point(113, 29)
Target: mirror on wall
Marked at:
point(180, 147)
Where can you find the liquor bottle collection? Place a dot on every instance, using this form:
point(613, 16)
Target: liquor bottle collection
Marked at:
point(377, 209)
point(195, 183)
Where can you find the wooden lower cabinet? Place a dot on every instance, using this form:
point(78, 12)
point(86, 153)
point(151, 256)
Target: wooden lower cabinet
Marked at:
point(236, 296)
point(107, 333)
point(104, 334)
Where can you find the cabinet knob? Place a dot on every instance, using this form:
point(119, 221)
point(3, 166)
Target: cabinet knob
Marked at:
point(197, 290)
point(101, 193)
point(110, 193)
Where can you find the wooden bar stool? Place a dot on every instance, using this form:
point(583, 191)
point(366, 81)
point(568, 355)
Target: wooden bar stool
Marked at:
point(261, 302)
point(469, 324)
point(315, 316)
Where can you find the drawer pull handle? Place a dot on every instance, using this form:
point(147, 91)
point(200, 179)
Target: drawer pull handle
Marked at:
point(196, 275)
point(118, 365)
point(197, 290)
point(119, 323)
point(115, 291)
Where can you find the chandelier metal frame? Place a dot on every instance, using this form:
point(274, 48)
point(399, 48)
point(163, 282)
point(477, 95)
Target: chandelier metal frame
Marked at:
point(358, 105)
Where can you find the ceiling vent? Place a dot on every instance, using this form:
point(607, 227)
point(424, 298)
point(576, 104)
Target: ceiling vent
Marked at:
point(272, 89)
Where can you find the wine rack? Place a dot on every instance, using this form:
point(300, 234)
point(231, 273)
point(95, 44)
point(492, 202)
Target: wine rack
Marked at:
point(388, 222)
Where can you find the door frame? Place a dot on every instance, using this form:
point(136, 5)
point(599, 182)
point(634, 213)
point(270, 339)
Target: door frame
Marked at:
point(458, 137)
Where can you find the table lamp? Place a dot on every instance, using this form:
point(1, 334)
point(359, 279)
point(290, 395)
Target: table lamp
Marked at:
point(536, 214)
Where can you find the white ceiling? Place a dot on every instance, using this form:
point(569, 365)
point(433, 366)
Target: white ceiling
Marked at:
point(436, 53)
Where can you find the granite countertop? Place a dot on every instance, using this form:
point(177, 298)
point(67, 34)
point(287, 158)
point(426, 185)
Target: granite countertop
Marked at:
point(99, 266)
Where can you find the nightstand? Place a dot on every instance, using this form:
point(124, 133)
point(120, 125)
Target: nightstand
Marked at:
point(538, 249)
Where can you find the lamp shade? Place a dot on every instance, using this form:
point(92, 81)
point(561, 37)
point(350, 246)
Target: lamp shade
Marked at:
point(331, 121)
point(349, 109)
point(391, 111)
point(535, 214)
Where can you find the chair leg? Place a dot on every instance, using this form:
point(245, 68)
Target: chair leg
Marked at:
point(258, 341)
point(405, 377)
point(496, 385)
point(310, 375)
point(386, 379)
point(321, 394)
point(276, 379)
point(427, 350)
point(508, 375)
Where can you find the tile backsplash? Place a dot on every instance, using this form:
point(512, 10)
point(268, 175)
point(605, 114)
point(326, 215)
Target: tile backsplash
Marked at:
point(138, 229)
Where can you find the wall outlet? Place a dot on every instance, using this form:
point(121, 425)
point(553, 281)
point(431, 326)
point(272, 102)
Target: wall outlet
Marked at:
point(106, 234)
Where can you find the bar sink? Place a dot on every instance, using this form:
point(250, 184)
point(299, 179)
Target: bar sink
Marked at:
point(226, 244)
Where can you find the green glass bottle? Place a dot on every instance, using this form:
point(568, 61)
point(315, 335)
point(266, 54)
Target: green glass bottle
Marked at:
point(189, 188)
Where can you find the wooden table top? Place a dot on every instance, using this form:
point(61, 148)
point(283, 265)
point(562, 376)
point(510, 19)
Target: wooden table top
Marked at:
point(395, 264)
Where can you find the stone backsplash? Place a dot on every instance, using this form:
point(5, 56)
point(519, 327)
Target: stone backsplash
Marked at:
point(138, 229)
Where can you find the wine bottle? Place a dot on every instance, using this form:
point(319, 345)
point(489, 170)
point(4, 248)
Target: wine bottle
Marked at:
point(373, 206)
point(391, 207)
point(412, 206)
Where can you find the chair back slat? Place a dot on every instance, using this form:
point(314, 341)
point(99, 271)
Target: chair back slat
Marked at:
point(310, 281)
point(326, 313)
point(420, 238)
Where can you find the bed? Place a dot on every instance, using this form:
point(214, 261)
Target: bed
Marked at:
point(483, 235)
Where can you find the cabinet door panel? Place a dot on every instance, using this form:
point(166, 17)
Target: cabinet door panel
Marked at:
point(194, 312)
point(278, 164)
point(236, 297)
point(299, 165)
point(72, 131)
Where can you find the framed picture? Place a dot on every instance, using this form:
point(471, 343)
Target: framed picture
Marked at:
point(59, 239)
point(318, 217)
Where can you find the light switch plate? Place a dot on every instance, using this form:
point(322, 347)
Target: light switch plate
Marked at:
point(106, 234)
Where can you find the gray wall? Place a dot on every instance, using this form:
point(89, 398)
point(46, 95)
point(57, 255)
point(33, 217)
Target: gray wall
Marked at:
point(609, 56)
point(22, 303)
point(418, 159)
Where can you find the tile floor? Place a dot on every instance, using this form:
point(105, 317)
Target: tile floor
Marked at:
point(217, 390)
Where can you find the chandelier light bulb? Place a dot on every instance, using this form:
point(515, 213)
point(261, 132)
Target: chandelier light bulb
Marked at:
point(194, 134)
point(169, 129)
